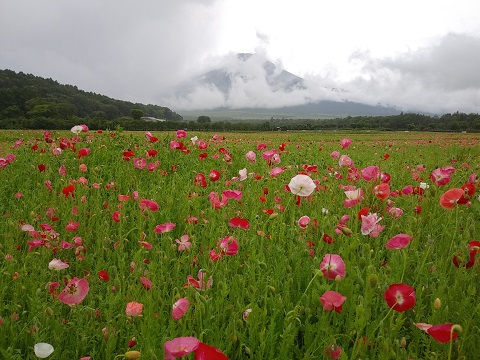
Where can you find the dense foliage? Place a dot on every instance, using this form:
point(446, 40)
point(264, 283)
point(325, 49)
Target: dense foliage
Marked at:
point(35, 102)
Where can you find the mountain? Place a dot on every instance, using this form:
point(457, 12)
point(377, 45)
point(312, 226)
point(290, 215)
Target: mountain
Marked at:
point(248, 86)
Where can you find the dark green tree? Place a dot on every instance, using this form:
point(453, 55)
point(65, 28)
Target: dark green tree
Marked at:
point(202, 119)
point(136, 114)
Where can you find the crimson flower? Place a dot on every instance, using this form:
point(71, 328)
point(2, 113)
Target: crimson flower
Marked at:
point(332, 300)
point(146, 283)
point(83, 152)
point(41, 167)
point(398, 241)
point(214, 175)
point(74, 292)
point(148, 204)
point(207, 352)
point(400, 297)
point(332, 266)
point(443, 333)
point(239, 222)
point(68, 190)
point(103, 275)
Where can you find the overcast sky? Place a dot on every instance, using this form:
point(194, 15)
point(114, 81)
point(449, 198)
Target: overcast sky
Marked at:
point(421, 55)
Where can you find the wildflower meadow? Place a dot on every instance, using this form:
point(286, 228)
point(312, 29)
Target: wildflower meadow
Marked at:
point(286, 245)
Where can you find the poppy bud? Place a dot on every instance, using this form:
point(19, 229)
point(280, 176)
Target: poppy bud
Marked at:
point(338, 278)
point(457, 329)
point(373, 280)
point(132, 355)
point(346, 231)
point(403, 342)
point(437, 304)
point(273, 216)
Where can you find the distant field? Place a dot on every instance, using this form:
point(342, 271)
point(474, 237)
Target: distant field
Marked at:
point(278, 245)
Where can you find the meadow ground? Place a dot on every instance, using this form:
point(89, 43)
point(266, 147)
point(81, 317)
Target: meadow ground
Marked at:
point(288, 245)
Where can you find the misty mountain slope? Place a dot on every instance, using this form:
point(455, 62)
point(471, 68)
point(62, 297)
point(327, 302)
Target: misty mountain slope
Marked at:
point(248, 85)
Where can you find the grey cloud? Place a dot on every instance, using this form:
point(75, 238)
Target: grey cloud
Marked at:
point(439, 78)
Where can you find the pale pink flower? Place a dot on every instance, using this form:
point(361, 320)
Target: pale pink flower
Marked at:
point(62, 171)
point(243, 174)
point(369, 223)
point(183, 243)
point(139, 163)
point(180, 347)
point(345, 161)
point(276, 171)
point(251, 156)
point(335, 155)
point(301, 185)
point(354, 196)
point(57, 264)
point(179, 308)
point(399, 241)
point(441, 176)
point(134, 309)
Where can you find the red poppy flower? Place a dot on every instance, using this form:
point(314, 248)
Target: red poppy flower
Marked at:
point(400, 297)
point(382, 191)
point(239, 222)
point(41, 167)
point(451, 197)
point(103, 275)
point(148, 204)
point(83, 152)
point(68, 190)
point(469, 191)
point(214, 175)
point(443, 333)
point(207, 352)
point(328, 239)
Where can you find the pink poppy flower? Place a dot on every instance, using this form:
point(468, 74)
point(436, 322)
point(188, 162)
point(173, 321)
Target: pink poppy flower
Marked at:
point(370, 173)
point(251, 156)
point(179, 308)
point(83, 152)
point(332, 266)
point(148, 204)
point(345, 161)
point(207, 352)
point(335, 155)
point(214, 175)
point(229, 245)
point(345, 142)
point(399, 241)
point(146, 283)
point(180, 347)
point(332, 300)
point(215, 200)
point(443, 333)
point(200, 284)
point(303, 222)
point(134, 309)
point(423, 326)
point(276, 171)
point(395, 212)
point(72, 226)
point(450, 198)
point(57, 264)
point(370, 224)
point(441, 176)
point(239, 222)
point(74, 292)
point(354, 197)
point(181, 134)
point(400, 297)
point(243, 174)
point(139, 163)
point(246, 313)
point(184, 243)
point(268, 156)
point(164, 228)
point(302, 185)
point(202, 145)
point(233, 194)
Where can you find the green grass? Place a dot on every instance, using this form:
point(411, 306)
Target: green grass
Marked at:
point(274, 273)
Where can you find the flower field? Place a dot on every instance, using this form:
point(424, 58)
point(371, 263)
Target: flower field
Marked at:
point(288, 245)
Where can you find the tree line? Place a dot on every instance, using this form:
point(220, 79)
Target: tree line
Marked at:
point(32, 102)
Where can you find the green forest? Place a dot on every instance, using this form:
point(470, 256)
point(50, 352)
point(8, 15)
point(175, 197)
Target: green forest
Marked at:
point(33, 102)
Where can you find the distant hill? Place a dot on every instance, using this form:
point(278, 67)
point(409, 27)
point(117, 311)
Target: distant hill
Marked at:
point(28, 96)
